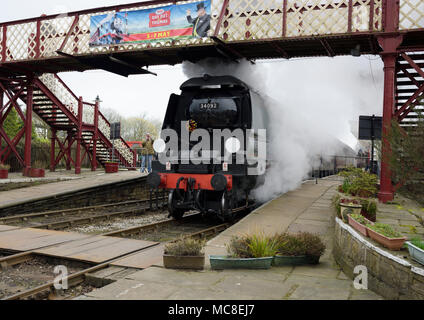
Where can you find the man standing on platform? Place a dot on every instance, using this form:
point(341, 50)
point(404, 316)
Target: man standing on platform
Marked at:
point(148, 153)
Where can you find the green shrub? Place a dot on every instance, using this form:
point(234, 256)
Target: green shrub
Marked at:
point(314, 245)
point(185, 247)
point(418, 243)
point(262, 246)
point(358, 218)
point(385, 230)
point(252, 246)
point(300, 244)
point(359, 183)
point(4, 166)
point(369, 207)
point(238, 248)
point(290, 245)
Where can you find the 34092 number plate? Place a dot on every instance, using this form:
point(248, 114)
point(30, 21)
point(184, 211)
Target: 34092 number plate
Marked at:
point(209, 106)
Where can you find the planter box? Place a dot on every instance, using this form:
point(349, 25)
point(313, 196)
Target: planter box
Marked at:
point(313, 259)
point(111, 167)
point(416, 253)
point(347, 209)
point(224, 262)
point(390, 243)
point(4, 173)
point(359, 227)
point(37, 173)
point(184, 262)
point(280, 261)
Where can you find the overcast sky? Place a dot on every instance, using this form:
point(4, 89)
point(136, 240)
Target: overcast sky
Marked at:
point(145, 94)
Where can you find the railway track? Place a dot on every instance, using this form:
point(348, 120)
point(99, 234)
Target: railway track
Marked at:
point(48, 291)
point(62, 219)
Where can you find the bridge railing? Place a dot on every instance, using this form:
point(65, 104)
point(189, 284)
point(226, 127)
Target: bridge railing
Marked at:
point(235, 20)
point(270, 19)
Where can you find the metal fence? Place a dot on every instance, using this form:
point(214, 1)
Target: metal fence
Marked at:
point(40, 158)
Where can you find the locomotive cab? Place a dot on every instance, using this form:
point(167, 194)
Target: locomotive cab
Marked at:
point(211, 169)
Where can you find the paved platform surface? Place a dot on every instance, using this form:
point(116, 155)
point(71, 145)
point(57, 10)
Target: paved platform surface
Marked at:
point(86, 180)
point(404, 215)
point(305, 209)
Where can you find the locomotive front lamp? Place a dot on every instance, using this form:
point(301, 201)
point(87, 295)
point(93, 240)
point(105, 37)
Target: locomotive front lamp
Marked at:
point(159, 145)
point(233, 145)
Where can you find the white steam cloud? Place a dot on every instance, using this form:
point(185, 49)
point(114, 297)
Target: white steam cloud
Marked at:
point(311, 103)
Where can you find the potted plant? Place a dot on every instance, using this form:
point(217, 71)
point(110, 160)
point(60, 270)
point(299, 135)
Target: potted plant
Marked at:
point(255, 251)
point(416, 249)
point(37, 171)
point(315, 247)
point(369, 209)
point(111, 167)
point(386, 236)
point(185, 253)
point(349, 206)
point(291, 251)
point(4, 171)
point(359, 223)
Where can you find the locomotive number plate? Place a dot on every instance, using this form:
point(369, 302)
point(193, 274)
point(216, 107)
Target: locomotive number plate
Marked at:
point(209, 106)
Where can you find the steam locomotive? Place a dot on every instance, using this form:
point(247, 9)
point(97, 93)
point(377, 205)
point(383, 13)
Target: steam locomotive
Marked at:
point(229, 121)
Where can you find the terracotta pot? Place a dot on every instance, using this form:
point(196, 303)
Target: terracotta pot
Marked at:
point(37, 173)
point(359, 227)
point(111, 167)
point(394, 244)
point(184, 262)
point(4, 173)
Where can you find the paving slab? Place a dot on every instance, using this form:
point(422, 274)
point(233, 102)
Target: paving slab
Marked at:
point(144, 259)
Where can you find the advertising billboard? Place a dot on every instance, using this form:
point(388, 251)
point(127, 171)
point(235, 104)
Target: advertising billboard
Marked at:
point(189, 20)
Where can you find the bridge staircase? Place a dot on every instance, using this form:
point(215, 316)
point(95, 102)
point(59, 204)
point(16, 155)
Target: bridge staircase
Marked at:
point(84, 124)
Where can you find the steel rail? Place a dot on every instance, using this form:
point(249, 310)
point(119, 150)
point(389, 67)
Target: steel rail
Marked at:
point(150, 226)
point(88, 219)
point(65, 212)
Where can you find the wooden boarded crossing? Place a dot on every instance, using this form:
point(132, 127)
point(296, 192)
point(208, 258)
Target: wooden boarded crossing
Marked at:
point(68, 245)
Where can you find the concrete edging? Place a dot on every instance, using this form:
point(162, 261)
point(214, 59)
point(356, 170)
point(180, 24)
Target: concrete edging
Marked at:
point(388, 275)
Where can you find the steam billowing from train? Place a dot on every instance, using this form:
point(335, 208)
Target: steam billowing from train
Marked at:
point(311, 102)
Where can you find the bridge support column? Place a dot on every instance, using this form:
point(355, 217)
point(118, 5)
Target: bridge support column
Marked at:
point(1, 113)
point(79, 138)
point(68, 151)
point(389, 44)
point(53, 151)
point(28, 128)
point(386, 188)
point(95, 137)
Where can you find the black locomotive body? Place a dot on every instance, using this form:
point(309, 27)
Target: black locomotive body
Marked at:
point(228, 166)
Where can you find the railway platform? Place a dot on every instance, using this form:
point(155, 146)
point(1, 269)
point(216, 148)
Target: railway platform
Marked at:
point(306, 209)
point(66, 185)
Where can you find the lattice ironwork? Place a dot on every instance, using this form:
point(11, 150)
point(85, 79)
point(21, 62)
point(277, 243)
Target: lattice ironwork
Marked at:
point(61, 92)
point(21, 41)
point(124, 150)
point(411, 14)
point(88, 114)
point(306, 18)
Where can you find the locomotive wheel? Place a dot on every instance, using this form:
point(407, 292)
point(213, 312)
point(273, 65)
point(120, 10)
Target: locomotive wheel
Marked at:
point(174, 212)
point(227, 206)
